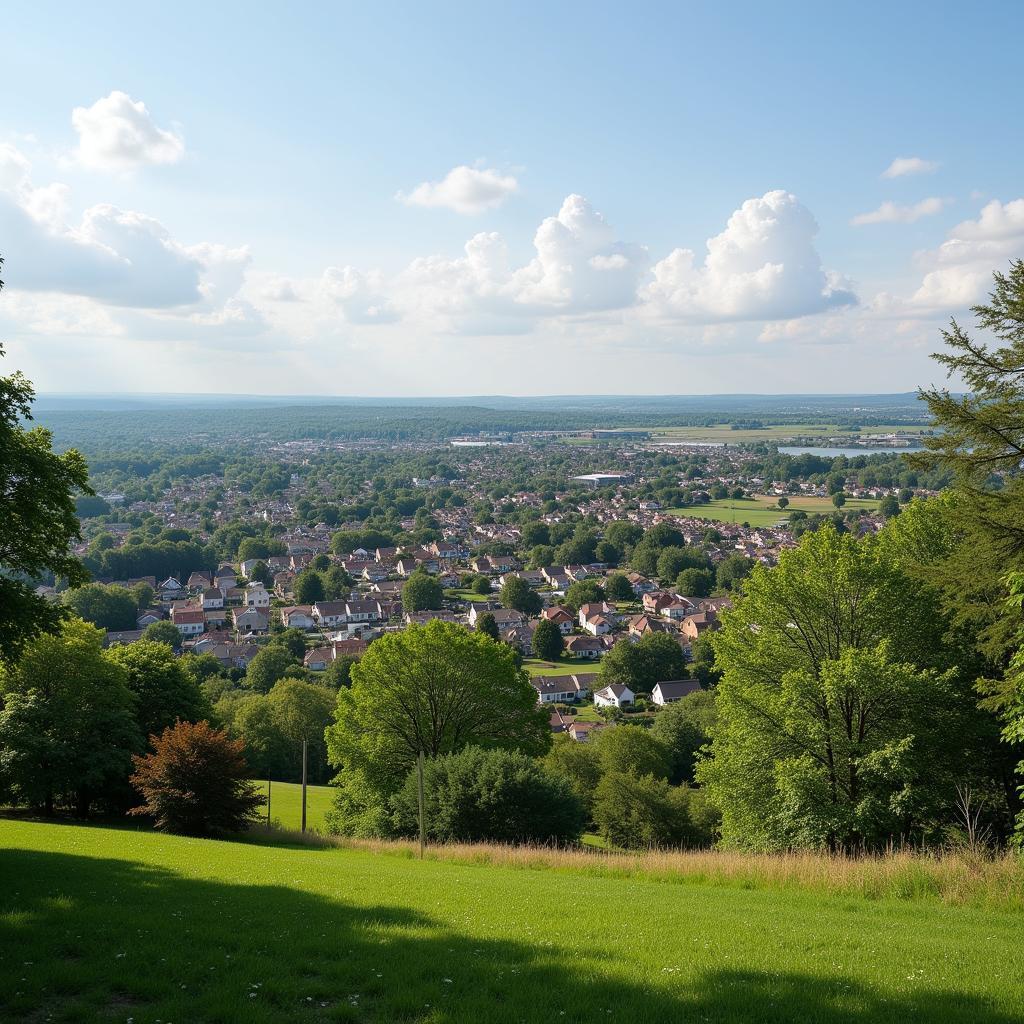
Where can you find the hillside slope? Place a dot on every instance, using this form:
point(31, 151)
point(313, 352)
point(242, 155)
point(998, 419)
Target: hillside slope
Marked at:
point(107, 924)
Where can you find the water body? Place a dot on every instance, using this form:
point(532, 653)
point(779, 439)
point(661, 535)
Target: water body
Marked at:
point(850, 453)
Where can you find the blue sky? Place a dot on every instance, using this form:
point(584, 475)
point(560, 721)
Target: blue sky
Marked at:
point(391, 199)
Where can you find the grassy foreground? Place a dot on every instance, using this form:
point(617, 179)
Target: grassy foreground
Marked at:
point(286, 803)
point(115, 924)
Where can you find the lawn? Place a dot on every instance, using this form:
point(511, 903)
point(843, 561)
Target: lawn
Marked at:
point(758, 510)
point(562, 667)
point(103, 924)
point(286, 803)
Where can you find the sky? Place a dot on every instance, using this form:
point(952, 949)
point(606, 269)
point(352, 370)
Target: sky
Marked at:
point(479, 198)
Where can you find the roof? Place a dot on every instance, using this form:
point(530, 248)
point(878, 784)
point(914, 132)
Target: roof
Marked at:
point(673, 689)
point(614, 690)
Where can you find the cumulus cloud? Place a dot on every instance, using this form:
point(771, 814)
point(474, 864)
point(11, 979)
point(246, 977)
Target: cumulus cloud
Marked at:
point(466, 190)
point(763, 266)
point(118, 133)
point(961, 268)
point(894, 213)
point(360, 297)
point(904, 165)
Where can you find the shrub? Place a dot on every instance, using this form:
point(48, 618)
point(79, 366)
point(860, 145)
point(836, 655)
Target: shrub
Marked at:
point(196, 782)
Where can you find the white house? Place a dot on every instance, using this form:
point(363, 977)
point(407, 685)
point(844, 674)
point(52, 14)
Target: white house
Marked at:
point(298, 617)
point(190, 621)
point(614, 696)
point(597, 625)
point(671, 690)
point(212, 598)
point(330, 613)
point(257, 596)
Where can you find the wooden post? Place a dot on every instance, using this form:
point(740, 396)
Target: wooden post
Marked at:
point(268, 801)
point(419, 787)
point(303, 785)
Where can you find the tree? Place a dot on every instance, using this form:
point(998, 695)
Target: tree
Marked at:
point(632, 749)
point(487, 625)
point(421, 593)
point(337, 583)
point(548, 641)
point(37, 510)
point(309, 587)
point(821, 731)
point(578, 763)
point(67, 727)
point(655, 658)
point(684, 727)
point(435, 688)
point(518, 594)
point(732, 571)
point(339, 672)
point(500, 796)
point(695, 582)
point(481, 584)
point(783, 502)
point(163, 632)
point(270, 664)
point(839, 499)
point(110, 608)
point(260, 573)
point(196, 782)
point(143, 595)
point(292, 640)
point(618, 588)
point(583, 592)
point(640, 811)
point(164, 692)
point(672, 561)
point(889, 506)
point(302, 711)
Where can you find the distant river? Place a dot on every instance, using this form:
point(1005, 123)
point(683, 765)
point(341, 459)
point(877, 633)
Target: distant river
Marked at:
point(850, 453)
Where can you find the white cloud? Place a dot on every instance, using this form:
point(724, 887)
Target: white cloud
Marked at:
point(118, 133)
point(904, 165)
point(763, 266)
point(464, 189)
point(962, 266)
point(894, 213)
point(359, 296)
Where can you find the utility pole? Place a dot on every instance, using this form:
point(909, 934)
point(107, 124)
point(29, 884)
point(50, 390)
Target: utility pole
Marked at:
point(268, 800)
point(303, 785)
point(419, 787)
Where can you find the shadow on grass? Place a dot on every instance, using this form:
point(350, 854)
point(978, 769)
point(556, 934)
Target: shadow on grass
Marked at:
point(88, 939)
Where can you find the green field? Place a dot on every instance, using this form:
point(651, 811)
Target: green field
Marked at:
point(758, 510)
point(286, 803)
point(562, 667)
point(779, 433)
point(103, 924)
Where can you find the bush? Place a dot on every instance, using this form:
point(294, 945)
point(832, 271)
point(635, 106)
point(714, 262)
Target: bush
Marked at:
point(482, 795)
point(196, 782)
point(637, 811)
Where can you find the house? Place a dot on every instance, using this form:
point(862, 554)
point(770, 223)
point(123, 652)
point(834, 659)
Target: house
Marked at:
point(190, 621)
point(318, 659)
point(584, 647)
point(597, 625)
point(216, 618)
point(596, 608)
point(256, 596)
point(387, 589)
point(251, 621)
point(614, 696)
point(640, 584)
point(534, 577)
point(504, 617)
point(249, 565)
point(125, 636)
point(671, 690)
point(693, 625)
point(170, 589)
point(655, 600)
point(362, 611)
point(298, 616)
point(148, 617)
point(329, 613)
point(560, 617)
point(212, 598)
point(521, 637)
point(224, 578)
point(199, 581)
point(581, 732)
point(641, 625)
point(562, 689)
point(353, 648)
point(422, 618)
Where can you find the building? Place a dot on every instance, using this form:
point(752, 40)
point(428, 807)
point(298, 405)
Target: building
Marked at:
point(614, 696)
point(596, 480)
point(671, 690)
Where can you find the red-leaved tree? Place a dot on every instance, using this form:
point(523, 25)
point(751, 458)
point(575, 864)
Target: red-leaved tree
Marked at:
point(195, 781)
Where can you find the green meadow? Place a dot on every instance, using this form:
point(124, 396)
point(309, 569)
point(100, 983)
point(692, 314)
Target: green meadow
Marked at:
point(286, 804)
point(761, 511)
point(116, 924)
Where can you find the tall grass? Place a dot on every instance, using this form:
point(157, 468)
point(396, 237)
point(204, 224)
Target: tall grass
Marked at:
point(950, 876)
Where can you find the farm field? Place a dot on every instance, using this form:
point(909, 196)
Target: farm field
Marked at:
point(758, 511)
point(562, 667)
point(105, 924)
point(286, 803)
point(722, 432)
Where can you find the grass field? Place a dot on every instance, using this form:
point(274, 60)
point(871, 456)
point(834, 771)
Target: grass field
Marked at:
point(286, 803)
point(101, 924)
point(562, 667)
point(758, 510)
point(724, 433)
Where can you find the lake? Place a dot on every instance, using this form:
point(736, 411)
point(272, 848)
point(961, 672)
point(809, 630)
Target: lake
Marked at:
point(850, 453)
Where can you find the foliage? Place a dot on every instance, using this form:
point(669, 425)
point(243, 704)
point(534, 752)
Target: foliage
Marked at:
point(435, 688)
point(196, 782)
point(548, 641)
point(309, 587)
point(633, 750)
point(684, 727)
point(478, 795)
point(517, 594)
point(654, 658)
point(272, 663)
point(37, 510)
point(487, 625)
point(110, 608)
point(695, 582)
point(638, 811)
point(578, 764)
point(67, 724)
point(618, 587)
point(164, 692)
point(583, 592)
point(421, 593)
